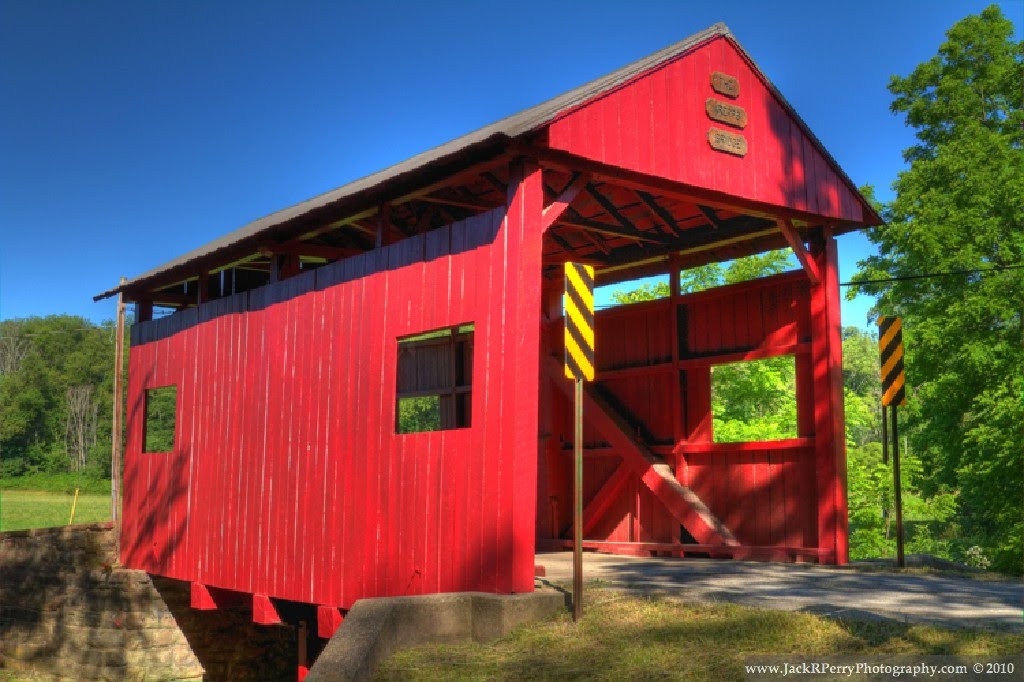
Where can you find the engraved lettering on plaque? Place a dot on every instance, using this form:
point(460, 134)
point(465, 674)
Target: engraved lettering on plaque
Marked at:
point(728, 142)
point(726, 113)
point(725, 85)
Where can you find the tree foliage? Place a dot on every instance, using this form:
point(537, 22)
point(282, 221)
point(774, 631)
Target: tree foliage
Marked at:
point(754, 400)
point(958, 207)
point(712, 275)
point(421, 413)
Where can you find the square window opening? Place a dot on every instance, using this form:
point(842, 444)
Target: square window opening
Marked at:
point(754, 400)
point(161, 414)
point(435, 380)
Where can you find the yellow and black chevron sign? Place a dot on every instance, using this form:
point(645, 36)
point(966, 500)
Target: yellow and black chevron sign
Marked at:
point(890, 345)
point(579, 322)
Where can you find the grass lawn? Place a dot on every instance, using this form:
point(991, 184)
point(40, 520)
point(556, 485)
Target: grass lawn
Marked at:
point(20, 509)
point(633, 638)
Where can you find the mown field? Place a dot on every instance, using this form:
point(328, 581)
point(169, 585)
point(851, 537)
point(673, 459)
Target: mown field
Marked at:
point(20, 509)
point(632, 638)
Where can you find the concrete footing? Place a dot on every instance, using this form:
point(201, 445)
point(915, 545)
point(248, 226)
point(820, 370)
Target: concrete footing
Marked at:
point(376, 628)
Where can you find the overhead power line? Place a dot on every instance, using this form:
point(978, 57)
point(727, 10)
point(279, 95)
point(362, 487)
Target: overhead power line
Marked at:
point(951, 273)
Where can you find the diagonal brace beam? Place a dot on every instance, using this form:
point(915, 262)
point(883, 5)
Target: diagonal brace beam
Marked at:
point(603, 500)
point(561, 203)
point(684, 504)
point(797, 244)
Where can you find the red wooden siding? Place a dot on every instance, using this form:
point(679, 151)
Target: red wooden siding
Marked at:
point(287, 478)
point(657, 124)
point(775, 494)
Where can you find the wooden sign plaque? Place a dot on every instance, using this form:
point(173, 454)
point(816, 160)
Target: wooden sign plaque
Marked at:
point(725, 85)
point(726, 113)
point(728, 142)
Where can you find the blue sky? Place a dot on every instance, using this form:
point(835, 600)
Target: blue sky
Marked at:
point(131, 132)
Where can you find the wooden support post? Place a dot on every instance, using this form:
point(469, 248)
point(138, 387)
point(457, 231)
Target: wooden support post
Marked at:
point(291, 265)
point(204, 287)
point(829, 428)
point(524, 299)
point(830, 276)
point(678, 418)
point(383, 223)
point(143, 311)
point(673, 297)
point(116, 428)
point(550, 473)
point(302, 634)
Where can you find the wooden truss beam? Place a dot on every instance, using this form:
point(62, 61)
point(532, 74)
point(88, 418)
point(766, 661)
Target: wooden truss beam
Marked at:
point(458, 203)
point(659, 211)
point(712, 217)
point(578, 222)
point(684, 505)
point(497, 184)
point(601, 172)
point(758, 241)
point(611, 209)
point(300, 248)
point(739, 228)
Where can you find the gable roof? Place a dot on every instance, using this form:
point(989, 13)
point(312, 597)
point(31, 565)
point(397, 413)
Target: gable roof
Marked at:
point(488, 140)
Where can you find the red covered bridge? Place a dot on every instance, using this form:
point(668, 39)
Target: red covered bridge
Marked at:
point(361, 395)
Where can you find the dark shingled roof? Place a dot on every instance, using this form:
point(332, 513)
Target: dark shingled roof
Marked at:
point(495, 136)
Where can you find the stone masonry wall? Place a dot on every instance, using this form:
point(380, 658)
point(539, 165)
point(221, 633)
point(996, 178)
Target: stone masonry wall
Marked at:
point(68, 613)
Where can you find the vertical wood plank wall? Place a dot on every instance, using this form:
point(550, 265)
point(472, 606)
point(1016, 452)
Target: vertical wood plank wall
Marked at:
point(656, 123)
point(787, 494)
point(287, 478)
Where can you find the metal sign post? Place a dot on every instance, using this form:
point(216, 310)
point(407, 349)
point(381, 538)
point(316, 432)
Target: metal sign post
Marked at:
point(579, 366)
point(894, 393)
point(577, 507)
point(899, 488)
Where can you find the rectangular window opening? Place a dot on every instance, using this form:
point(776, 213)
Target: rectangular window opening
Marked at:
point(435, 380)
point(754, 400)
point(161, 412)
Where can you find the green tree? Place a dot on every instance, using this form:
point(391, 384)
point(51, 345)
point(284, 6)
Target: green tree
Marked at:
point(712, 275)
point(958, 207)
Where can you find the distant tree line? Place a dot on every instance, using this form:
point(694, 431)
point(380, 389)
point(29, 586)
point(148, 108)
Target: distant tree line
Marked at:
point(56, 393)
